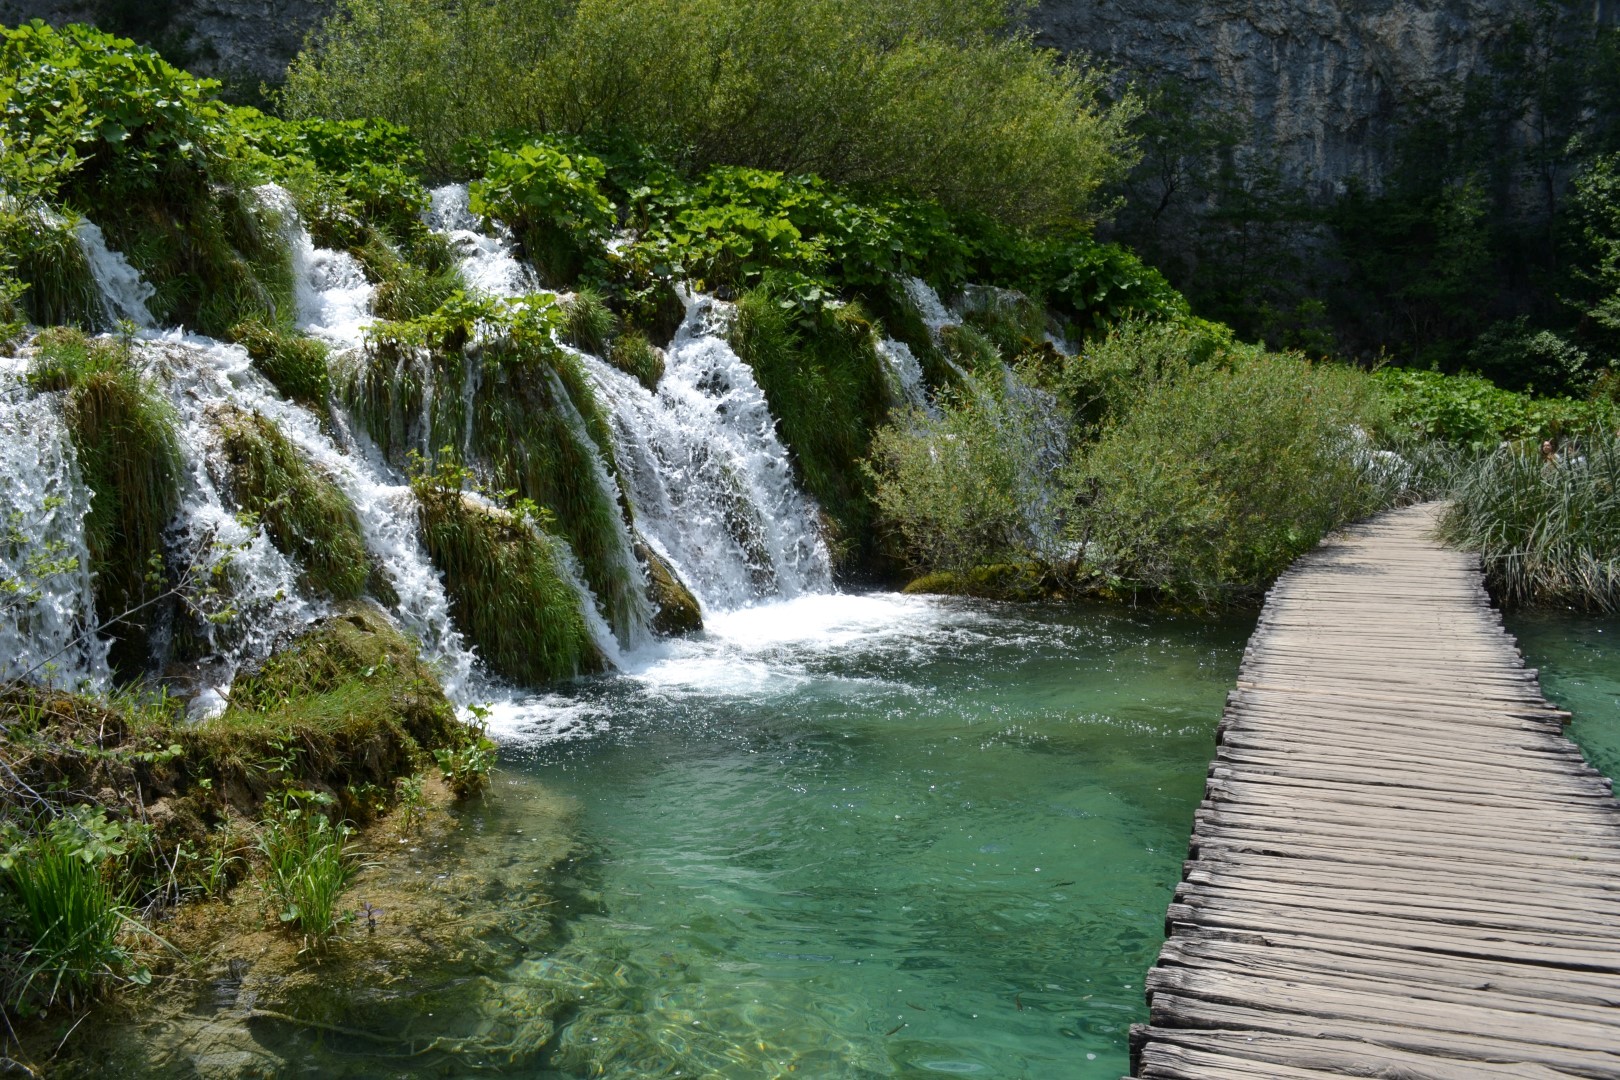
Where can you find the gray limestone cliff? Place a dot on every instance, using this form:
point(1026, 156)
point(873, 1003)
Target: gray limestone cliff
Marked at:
point(1316, 84)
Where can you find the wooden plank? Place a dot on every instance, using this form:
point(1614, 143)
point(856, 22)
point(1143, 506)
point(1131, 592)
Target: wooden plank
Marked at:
point(1401, 867)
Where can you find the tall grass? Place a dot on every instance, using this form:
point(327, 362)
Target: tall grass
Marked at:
point(1548, 529)
point(307, 867)
point(305, 513)
point(129, 454)
point(69, 919)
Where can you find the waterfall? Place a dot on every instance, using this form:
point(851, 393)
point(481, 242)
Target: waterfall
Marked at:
point(123, 292)
point(905, 375)
point(47, 607)
point(488, 264)
point(709, 479)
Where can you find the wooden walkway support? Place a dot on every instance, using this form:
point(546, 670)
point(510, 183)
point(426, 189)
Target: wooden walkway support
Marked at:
point(1401, 868)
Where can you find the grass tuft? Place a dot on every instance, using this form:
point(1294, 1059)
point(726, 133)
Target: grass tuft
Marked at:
point(294, 364)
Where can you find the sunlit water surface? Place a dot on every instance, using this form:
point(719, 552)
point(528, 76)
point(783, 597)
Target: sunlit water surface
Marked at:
point(1579, 660)
point(842, 836)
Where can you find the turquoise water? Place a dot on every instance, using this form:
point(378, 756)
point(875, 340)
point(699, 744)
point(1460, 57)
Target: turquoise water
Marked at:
point(854, 836)
point(1579, 660)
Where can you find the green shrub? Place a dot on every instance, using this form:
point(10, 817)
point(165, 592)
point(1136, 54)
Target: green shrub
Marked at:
point(822, 375)
point(307, 517)
point(124, 434)
point(411, 284)
point(588, 323)
point(553, 202)
point(1473, 412)
point(1105, 378)
point(966, 488)
point(946, 99)
point(1547, 529)
point(507, 591)
point(1215, 478)
point(294, 364)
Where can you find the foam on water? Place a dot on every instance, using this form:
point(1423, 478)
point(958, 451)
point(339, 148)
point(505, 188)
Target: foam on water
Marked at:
point(488, 262)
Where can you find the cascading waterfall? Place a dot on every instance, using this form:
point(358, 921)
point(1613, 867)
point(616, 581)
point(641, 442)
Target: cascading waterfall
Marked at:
point(709, 479)
point(123, 292)
point(709, 482)
point(47, 606)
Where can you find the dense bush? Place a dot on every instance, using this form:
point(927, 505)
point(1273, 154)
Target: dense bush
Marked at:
point(105, 129)
point(1471, 411)
point(1214, 479)
point(945, 99)
point(1548, 527)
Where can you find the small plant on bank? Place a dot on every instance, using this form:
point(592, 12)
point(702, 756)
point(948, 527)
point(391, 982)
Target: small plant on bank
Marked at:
point(466, 768)
point(307, 863)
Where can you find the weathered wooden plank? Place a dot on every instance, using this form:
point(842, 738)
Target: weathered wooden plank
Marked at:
point(1400, 867)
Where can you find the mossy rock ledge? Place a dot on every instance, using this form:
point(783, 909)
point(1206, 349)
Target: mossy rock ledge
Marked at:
point(677, 610)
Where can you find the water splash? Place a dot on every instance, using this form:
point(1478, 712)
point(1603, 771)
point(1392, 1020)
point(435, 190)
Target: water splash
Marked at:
point(904, 375)
point(488, 263)
point(124, 292)
point(47, 605)
point(330, 288)
point(709, 479)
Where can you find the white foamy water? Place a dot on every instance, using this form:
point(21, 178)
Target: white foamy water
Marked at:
point(123, 292)
point(47, 607)
point(488, 263)
point(709, 478)
point(905, 375)
point(331, 290)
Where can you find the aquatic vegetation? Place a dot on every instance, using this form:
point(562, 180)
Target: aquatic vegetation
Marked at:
point(824, 379)
point(634, 355)
point(588, 323)
point(307, 517)
point(507, 590)
point(128, 453)
point(1547, 524)
point(307, 866)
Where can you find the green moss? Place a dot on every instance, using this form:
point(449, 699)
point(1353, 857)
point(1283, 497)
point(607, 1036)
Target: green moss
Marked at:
point(1011, 321)
point(824, 379)
point(506, 589)
point(47, 260)
point(534, 428)
point(634, 355)
point(1002, 581)
point(972, 351)
point(129, 456)
point(294, 363)
point(410, 283)
point(676, 609)
point(307, 517)
point(902, 321)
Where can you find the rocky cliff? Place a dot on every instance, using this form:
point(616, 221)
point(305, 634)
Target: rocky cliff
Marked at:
point(1314, 83)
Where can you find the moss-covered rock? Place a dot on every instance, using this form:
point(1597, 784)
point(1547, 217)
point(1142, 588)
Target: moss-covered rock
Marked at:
point(124, 434)
point(634, 355)
point(588, 323)
point(826, 384)
point(676, 610)
point(294, 363)
point(1002, 581)
point(41, 250)
point(507, 590)
point(307, 517)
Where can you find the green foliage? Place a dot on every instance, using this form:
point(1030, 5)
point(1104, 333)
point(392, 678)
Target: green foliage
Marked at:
point(1595, 221)
point(1548, 527)
point(307, 865)
point(123, 431)
point(531, 426)
point(411, 284)
point(944, 99)
point(966, 489)
point(507, 590)
point(65, 925)
point(1218, 476)
point(109, 130)
point(822, 375)
point(1103, 381)
point(553, 202)
point(1470, 411)
point(634, 355)
point(305, 513)
point(466, 768)
point(54, 286)
point(588, 323)
point(294, 364)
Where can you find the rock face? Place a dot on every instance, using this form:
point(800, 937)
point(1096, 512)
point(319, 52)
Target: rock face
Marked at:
point(245, 41)
point(1314, 82)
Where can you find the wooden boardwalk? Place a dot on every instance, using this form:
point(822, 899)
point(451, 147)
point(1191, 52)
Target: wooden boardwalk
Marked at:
point(1401, 868)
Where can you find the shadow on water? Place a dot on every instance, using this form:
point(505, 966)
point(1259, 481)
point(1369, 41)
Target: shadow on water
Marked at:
point(840, 837)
